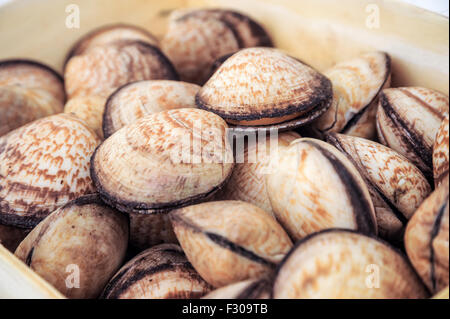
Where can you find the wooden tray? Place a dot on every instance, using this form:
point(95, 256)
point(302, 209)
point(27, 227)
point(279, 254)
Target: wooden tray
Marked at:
point(319, 32)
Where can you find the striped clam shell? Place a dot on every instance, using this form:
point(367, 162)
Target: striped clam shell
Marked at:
point(136, 100)
point(161, 272)
point(78, 247)
point(427, 239)
point(248, 180)
point(397, 187)
point(89, 109)
point(163, 161)
point(10, 236)
point(408, 119)
point(356, 84)
point(193, 43)
point(312, 186)
point(247, 289)
point(441, 152)
point(43, 165)
point(230, 241)
point(343, 264)
point(103, 69)
point(109, 34)
point(264, 86)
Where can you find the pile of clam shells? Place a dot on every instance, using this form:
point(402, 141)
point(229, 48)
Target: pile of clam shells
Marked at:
point(207, 163)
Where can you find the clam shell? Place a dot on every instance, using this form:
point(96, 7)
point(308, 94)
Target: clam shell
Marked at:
point(427, 239)
point(43, 165)
point(397, 186)
point(136, 100)
point(10, 236)
point(408, 119)
point(194, 43)
point(313, 186)
point(103, 69)
point(109, 34)
point(440, 152)
point(162, 161)
point(356, 84)
point(21, 105)
point(161, 272)
point(263, 86)
point(84, 239)
point(248, 180)
point(343, 264)
point(32, 75)
point(247, 289)
point(90, 109)
point(230, 241)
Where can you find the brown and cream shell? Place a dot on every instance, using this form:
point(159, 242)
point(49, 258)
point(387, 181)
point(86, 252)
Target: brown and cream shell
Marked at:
point(408, 119)
point(397, 186)
point(88, 108)
point(44, 165)
point(356, 84)
point(312, 186)
point(247, 289)
point(136, 100)
point(77, 248)
point(103, 69)
point(264, 87)
point(161, 272)
point(441, 152)
point(230, 241)
point(163, 161)
point(343, 264)
point(427, 239)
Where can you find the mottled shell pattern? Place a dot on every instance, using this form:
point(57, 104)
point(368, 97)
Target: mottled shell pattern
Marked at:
point(441, 152)
point(344, 264)
point(408, 119)
point(161, 272)
point(312, 186)
point(89, 109)
point(356, 84)
point(138, 99)
point(162, 161)
point(85, 239)
point(103, 69)
point(230, 241)
point(194, 40)
point(427, 239)
point(44, 165)
point(247, 289)
point(397, 186)
point(263, 86)
point(28, 91)
point(248, 180)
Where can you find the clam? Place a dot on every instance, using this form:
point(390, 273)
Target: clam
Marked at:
point(136, 100)
point(78, 247)
point(312, 186)
point(88, 108)
point(10, 236)
point(163, 161)
point(427, 239)
point(264, 87)
point(109, 34)
point(356, 84)
point(44, 164)
point(440, 152)
point(103, 69)
point(230, 241)
point(247, 289)
point(28, 91)
point(161, 272)
point(343, 264)
point(397, 186)
point(248, 180)
point(408, 119)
